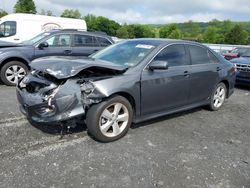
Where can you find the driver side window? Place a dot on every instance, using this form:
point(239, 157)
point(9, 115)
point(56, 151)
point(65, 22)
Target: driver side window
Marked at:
point(175, 55)
point(59, 41)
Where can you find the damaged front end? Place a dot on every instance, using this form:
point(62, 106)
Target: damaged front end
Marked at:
point(45, 98)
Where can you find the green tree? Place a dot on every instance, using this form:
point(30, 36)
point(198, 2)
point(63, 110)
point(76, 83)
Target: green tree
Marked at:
point(237, 35)
point(210, 35)
point(175, 34)
point(3, 13)
point(47, 13)
point(70, 13)
point(193, 29)
point(148, 32)
point(101, 23)
point(122, 32)
point(25, 6)
point(166, 30)
point(90, 19)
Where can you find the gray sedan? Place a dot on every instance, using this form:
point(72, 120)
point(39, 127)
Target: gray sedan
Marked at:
point(131, 81)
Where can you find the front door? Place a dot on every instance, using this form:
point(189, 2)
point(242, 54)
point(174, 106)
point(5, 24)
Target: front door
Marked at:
point(59, 45)
point(162, 90)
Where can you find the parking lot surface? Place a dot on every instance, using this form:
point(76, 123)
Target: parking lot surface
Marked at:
point(198, 148)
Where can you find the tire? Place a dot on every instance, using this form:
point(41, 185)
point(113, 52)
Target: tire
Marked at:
point(13, 68)
point(103, 120)
point(218, 97)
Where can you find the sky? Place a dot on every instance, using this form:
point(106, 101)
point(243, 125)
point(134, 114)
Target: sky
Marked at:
point(148, 11)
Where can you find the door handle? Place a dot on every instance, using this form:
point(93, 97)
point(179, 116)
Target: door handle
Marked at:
point(186, 74)
point(68, 52)
point(218, 69)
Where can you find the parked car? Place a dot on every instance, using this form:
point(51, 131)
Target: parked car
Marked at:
point(243, 68)
point(131, 81)
point(15, 58)
point(237, 52)
point(19, 27)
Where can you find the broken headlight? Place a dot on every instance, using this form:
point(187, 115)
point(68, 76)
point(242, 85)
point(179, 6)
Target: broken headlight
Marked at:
point(87, 87)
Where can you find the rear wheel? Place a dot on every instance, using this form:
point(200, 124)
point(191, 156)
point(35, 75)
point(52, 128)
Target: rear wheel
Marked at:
point(218, 97)
point(109, 120)
point(12, 71)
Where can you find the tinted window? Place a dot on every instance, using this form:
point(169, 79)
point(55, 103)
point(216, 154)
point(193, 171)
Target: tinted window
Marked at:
point(59, 40)
point(85, 40)
point(175, 55)
point(103, 41)
point(7, 29)
point(200, 55)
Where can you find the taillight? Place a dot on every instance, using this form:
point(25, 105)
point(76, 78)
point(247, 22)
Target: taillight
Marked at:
point(234, 67)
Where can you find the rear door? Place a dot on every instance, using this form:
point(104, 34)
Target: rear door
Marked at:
point(162, 90)
point(204, 73)
point(84, 45)
point(59, 45)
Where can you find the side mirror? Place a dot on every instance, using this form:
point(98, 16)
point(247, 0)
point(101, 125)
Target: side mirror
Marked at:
point(239, 54)
point(43, 45)
point(158, 65)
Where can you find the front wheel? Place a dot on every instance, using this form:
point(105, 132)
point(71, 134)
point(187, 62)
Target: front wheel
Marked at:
point(12, 71)
point(109, 120)
point(218, 97)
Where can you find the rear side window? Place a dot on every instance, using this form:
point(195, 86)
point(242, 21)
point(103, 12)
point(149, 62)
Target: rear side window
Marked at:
point(200, 55)
point(103, 41)
point(175, 55)
point(59, 41)
point(7, 29)
point(84, 41)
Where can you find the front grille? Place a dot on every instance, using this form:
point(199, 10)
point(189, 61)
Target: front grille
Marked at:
point(243, 67)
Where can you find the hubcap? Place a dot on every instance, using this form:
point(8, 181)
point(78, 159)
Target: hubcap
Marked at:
point(219, 97)
point(114, 120)
point(14, 73)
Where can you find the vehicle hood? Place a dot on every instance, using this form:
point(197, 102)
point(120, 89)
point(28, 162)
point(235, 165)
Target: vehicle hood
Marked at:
point(241, 60)
point(66, 67)
point(7, 46)
point(4, 44)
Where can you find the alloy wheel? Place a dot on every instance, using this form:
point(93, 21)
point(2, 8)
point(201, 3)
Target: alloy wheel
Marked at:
point(14, 73)
point(114, 120)
point(219, 97)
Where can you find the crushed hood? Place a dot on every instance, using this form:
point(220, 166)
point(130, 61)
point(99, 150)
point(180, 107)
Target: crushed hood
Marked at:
point(66, 67)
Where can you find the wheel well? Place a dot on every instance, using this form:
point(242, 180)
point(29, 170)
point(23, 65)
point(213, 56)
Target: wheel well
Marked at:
point(227, 85)
point(129, 98)
point(14, 59)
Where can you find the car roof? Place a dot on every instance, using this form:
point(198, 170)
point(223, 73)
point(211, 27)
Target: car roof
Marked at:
point(163, 41)
point(75, 31)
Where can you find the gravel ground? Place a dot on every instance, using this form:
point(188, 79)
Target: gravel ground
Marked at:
point(197, 148)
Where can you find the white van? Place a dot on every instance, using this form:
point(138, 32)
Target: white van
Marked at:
point(20, 27)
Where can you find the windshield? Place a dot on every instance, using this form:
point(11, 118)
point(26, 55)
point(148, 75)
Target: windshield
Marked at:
point(36, 38)
point(244, 52)
point(127, 53)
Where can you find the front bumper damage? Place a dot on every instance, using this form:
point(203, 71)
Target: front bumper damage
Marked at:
point(45, 101)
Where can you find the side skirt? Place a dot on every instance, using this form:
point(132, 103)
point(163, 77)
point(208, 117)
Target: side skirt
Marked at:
point(172, 111)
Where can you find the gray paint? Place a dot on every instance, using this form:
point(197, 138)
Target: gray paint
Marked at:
point(155, 93)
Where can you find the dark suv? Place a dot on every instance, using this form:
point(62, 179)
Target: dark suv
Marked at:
point(15, 58)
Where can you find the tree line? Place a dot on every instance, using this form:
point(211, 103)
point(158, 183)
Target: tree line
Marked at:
point(215, 31)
